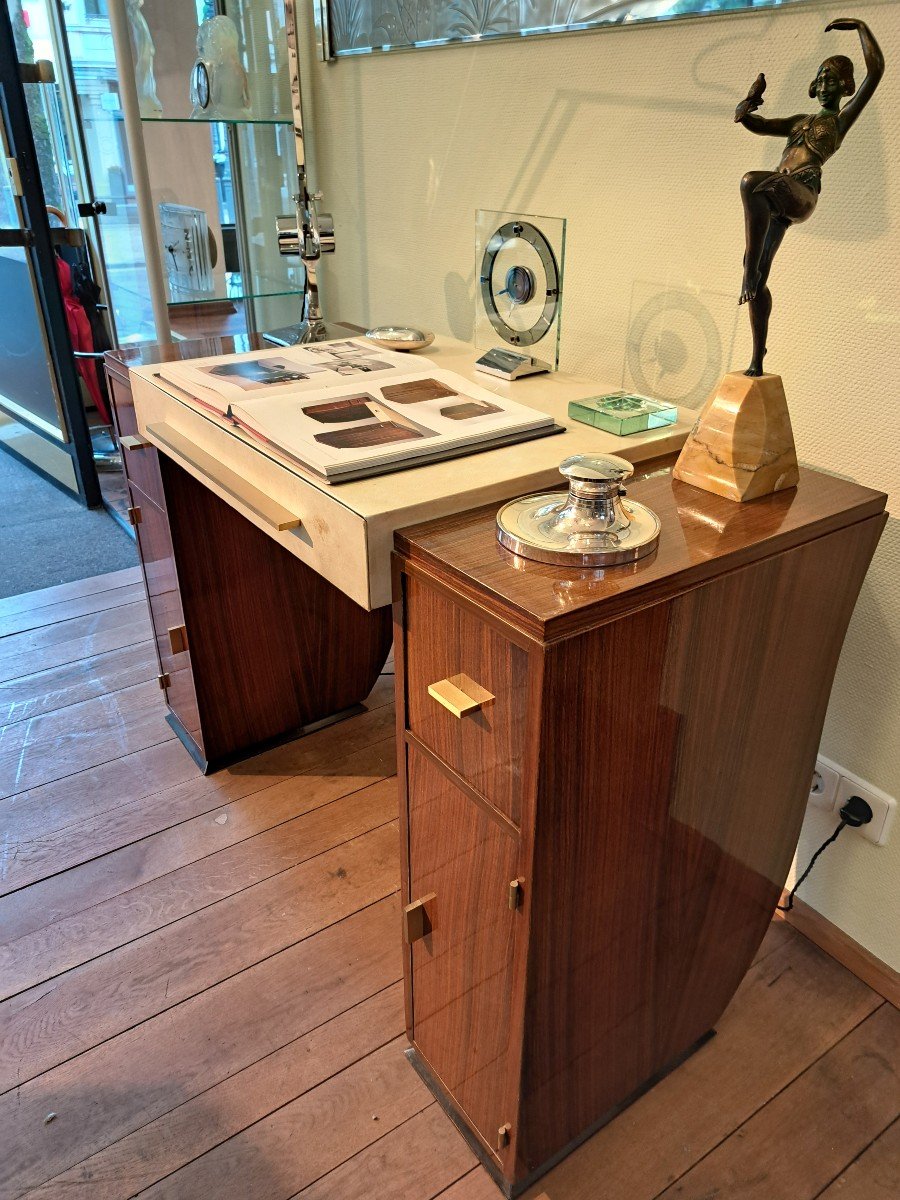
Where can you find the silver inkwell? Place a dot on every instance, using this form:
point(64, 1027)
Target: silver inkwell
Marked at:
point(590, 527)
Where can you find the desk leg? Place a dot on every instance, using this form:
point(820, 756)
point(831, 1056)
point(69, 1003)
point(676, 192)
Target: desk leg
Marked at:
point(272, 646)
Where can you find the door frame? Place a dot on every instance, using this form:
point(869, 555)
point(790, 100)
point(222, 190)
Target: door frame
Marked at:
point(38, 246)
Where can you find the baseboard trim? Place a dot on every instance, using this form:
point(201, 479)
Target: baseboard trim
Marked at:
point(856, 958)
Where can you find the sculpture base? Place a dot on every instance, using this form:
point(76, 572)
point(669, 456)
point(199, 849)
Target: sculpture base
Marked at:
point(742, 445)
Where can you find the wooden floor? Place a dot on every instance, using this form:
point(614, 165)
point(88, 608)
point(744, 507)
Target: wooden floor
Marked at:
point(201, 977)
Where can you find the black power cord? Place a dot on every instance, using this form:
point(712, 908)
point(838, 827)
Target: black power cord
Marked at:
point(854, 812)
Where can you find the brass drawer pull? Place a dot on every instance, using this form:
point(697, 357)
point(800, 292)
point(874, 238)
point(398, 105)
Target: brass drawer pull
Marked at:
point(460, 695)
point(198, 462)
point(178, 639)
point(131, 442)
point(417, 921)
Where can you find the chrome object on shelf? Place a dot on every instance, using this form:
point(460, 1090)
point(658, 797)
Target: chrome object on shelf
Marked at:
point(400, 337)
point(590, 527)
point(309, 234)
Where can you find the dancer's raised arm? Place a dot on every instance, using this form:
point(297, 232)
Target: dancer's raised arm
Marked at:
point(874, 61)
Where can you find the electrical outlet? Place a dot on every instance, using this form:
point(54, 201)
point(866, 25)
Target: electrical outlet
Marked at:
point(824, 786)
point(883, 807)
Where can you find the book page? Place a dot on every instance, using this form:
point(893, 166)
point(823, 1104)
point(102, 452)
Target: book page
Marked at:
point(382, 419)
point(217, 383)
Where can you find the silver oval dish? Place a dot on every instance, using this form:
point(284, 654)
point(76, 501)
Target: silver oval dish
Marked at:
point(400, 337)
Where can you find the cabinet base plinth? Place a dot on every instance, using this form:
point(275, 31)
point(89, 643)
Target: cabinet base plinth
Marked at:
point(209, 766)
point(513, 1188)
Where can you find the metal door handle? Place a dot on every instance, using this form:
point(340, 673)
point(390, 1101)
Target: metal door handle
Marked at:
point(178, 639)
point(460, 695)
point(417, 921)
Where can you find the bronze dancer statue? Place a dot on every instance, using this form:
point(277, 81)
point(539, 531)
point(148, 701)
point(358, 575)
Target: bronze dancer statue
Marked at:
point(775, 200)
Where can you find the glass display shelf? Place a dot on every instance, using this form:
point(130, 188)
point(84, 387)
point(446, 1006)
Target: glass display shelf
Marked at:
point(250, 120)
point(235, 285)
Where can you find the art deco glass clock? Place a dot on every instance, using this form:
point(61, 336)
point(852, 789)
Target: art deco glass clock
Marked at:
point(519, 268)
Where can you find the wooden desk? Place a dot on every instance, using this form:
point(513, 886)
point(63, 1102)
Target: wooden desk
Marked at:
point(592, 854)
point(270, 590)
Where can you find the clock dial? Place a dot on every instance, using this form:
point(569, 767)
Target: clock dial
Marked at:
point(519, 281)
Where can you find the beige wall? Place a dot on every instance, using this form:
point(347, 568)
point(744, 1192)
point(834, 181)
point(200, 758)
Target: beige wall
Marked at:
point(628, 134)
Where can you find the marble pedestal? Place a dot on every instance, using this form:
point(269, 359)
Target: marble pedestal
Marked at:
point(742, 445)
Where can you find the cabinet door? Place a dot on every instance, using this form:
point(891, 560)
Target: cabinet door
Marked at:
point(462, 966)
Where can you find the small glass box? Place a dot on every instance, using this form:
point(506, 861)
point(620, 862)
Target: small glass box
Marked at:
point(623, 412)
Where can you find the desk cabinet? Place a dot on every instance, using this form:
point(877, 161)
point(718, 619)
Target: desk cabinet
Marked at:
point(594, 842)
point(253, 645)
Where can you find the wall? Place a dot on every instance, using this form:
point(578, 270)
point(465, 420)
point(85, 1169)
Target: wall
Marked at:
point(628, 133)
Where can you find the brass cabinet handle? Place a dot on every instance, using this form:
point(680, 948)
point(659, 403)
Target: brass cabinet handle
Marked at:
point(186, 453)
point(460, 695)
point(131, 442)
point(514, 897)
point(178, 639)
point(417, 921)
point(503, 1136)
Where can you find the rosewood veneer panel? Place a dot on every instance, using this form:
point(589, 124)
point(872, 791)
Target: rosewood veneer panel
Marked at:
point(667, 717)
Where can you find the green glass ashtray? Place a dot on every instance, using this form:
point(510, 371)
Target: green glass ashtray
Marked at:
point(623, 413)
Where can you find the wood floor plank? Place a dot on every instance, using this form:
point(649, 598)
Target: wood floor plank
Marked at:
point(69, 591)
point(64, 804)
point(798, 1143)
point(179, 1137)
point(54, 1022)
point(66, 641)
point(477, 1185)
point(793, 1005)
point(65, 610)
point(201, 883)
point(75, 868)
point(774, 939)
point(148, 1071)
point(875, 1175)
point(85, 679)
point(414, 1162)
point(74, 739)
point(307, 1138)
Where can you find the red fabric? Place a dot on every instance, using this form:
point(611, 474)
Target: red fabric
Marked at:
point(82, 338)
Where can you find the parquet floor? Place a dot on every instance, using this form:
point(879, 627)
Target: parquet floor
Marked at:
point(201, 990)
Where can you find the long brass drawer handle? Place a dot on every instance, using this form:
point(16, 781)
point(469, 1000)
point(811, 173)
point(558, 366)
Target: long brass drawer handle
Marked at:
point(186, 453)
point(130, 442)
point(417, 921)
point(460, 695)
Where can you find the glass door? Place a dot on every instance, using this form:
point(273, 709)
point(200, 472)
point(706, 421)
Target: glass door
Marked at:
point(75, 36)
point(42, 417)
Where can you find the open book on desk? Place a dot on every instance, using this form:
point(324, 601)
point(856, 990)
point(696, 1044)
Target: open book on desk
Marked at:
point(345, 410)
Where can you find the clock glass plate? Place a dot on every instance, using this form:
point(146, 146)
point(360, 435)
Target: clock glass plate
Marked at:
point(519, 272)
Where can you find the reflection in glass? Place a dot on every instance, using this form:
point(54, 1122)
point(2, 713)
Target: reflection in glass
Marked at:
point(359, 26)
point(27, 388)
